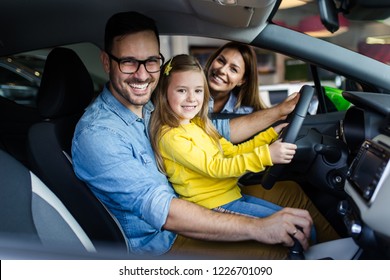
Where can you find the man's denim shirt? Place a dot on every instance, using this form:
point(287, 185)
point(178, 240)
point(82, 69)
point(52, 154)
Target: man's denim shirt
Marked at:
point(111, 152)
point(223, 125)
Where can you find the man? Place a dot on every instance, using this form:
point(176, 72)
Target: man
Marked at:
point(112, 154)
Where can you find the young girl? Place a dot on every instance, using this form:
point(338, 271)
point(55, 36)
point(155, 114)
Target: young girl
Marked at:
point(202, 166)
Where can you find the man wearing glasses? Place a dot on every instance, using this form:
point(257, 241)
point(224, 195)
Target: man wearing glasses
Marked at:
point(112, 154)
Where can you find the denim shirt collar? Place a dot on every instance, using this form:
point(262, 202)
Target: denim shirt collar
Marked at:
point(230, 106)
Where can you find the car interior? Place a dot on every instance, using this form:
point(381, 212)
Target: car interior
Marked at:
point(341, 161)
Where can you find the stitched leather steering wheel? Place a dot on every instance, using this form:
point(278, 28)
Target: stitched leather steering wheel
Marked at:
point(290, 133)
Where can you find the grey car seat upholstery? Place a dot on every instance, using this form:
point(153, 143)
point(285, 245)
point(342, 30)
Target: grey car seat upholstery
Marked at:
point(32, 212)
point(66, 90)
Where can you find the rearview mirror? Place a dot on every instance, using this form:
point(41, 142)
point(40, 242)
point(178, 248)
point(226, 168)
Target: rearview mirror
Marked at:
point(329, 15)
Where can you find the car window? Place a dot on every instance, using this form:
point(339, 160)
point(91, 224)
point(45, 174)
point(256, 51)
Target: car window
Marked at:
point(17, 83)
point(292, 74)
point(366, 34)
point(20, 74)
point(10, 77)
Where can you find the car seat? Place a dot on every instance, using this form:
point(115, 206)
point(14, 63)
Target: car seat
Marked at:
point(66, 90)
point(32, 214)
point(16, 120)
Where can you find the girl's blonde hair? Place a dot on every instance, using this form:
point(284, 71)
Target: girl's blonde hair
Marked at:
point(163, 114)
point(248, 93)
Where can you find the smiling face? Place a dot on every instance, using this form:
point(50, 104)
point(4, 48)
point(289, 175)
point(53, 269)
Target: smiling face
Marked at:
point(132, 90)
point(226, 71)
point(186, 94)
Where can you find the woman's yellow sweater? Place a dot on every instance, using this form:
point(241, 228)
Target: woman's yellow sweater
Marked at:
point(201, 173)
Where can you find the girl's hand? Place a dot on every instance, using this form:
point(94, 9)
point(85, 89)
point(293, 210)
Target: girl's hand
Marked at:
point(282, 153)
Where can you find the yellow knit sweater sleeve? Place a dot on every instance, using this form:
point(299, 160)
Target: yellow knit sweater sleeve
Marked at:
point(263, 138)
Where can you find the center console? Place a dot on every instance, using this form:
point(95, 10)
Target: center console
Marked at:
point(366, 213)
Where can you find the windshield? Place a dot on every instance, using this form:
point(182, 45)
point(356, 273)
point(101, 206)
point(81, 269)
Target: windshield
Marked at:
point(368, 37)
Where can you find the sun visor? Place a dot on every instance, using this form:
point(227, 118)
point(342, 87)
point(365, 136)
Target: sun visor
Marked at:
point(234, 13)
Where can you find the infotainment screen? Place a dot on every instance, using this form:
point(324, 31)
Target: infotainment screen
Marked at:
point(367, 169)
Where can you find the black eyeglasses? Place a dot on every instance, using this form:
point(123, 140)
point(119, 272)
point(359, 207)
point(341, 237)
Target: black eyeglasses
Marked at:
point(131, 65)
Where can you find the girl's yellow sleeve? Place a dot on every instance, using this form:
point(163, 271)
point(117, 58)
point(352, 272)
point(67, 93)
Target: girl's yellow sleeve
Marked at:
point(263, 138)
point(203, 157)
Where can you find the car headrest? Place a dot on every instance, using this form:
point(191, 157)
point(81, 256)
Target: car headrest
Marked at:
point(66, 86)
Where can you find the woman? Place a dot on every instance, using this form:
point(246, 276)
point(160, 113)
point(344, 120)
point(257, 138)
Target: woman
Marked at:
point(233, 80)
point(232, 77)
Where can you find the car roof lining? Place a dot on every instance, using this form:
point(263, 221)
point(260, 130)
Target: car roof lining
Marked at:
point(171, 17)
point(174, 17)
point(167, 13)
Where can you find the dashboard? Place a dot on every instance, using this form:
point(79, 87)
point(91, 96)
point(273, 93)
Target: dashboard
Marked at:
point(365, 119)
point(349, 165)
point(366, 131)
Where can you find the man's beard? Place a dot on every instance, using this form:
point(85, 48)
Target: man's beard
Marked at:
point(136, 101)
point(132, 98)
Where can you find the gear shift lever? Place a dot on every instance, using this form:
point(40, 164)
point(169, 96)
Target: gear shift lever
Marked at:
point(296, 251)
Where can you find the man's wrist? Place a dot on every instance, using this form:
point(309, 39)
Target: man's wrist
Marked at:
point(276, 112)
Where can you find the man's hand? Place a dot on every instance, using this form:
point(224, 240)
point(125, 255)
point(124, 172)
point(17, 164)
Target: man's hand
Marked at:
point(197, 222)
point(287, 106)
point(279, 227)
point(244, 127)
point(278, 128)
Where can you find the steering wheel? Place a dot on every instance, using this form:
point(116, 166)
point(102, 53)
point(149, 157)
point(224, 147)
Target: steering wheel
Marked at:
point(290, 133)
